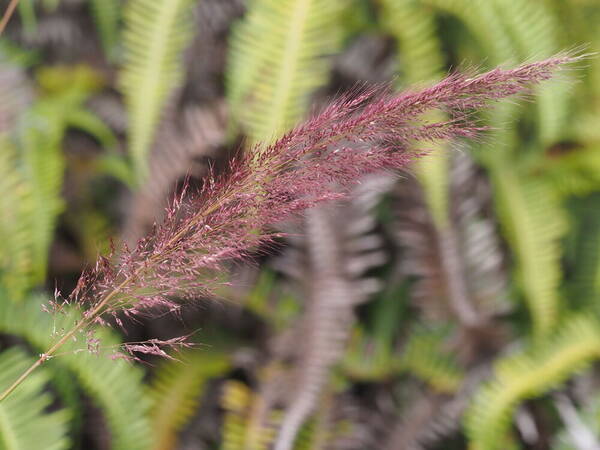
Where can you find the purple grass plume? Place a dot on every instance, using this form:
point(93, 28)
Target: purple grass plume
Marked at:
point(234, 212)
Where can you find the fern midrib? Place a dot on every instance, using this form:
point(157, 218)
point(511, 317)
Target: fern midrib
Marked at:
point(282, 91)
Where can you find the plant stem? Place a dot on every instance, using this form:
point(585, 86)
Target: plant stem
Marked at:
point(5, 18)
point(82, 324)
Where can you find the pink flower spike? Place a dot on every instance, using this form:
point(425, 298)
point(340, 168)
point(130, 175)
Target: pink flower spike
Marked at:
point(319, 160)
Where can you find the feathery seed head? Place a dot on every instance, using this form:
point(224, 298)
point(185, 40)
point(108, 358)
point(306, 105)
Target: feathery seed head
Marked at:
point(317, 161)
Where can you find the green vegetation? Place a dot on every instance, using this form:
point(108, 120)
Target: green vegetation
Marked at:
point(476, 277)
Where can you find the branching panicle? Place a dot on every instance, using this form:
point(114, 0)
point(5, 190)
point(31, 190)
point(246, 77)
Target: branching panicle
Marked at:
point(358, 134)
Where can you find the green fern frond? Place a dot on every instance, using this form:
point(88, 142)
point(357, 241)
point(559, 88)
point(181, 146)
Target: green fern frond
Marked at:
point(507, 30)
point(32, 178)
point(42, 163)
point(425, 358)
point(24, 422)
point(495, 44)
point(114, 385)
point(413, 26)
point(106, 15)
point(319, 432)
point(235, 400)
point(239, 432)
point(323, 428)
point(68, 391)
point(32, 166)
point(279, 54)
point(156, 33)
point(531, 26)
point(529, 374)
point(533, 221)
point(176, 392)
point(534, 29)
point(481, 19)
point(15, 195)
point(15, 258)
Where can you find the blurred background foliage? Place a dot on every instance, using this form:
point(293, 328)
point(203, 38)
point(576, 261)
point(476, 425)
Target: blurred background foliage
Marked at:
point(455, 306)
